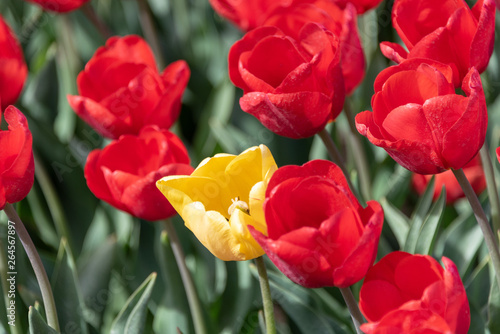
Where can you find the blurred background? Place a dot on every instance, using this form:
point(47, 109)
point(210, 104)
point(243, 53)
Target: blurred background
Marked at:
point(97, 256)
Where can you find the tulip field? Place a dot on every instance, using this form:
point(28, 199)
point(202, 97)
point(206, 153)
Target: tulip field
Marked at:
point(249, 166)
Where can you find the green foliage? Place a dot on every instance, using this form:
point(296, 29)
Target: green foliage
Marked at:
point(97, 257)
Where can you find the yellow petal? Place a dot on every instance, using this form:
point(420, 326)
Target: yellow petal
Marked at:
point(257, 197)
point(214, 232)
point(268, 163)
point(181, 190)
point(247, 246)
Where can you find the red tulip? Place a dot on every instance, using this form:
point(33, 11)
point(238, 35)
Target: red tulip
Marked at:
point(406, 293)
point(17, 168)
point(498, 154)
point(294, 87)
point(446, 31)
point(420, 121)
point(60, 6)
point(341, 22)
point(362, 6)
point(318, 233)
point(473, 171)
point(13, 69)
point(125, 172)
point(247, 14)
point(121, 90)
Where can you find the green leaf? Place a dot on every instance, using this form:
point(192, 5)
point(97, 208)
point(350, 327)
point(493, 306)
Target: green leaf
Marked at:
point(418, 217)
point(430, 227)
point(36, 323)
point(67, 295)
point(397, 221)
point(173, 310)
point(494, 308)
point(94, 273)
point(132, 317)
point(233, 311)
point(299, 306)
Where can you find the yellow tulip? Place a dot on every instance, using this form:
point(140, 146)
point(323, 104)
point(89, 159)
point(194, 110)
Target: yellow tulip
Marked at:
point(221, 198)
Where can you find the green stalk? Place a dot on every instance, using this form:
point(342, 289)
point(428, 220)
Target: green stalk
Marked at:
point(36, 263)
point(92, 16)
point(53, 202)
point(352, 305)
point(359, 154)
point(338, 160)
point(3, 276)
point(491, 186)
point(193, 300)
point(146, 19)
point(482, 220)
point(267, 300)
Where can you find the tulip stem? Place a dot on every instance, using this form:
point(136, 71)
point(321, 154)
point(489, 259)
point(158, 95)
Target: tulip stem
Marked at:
point(267, 300)
point(36, 263)
point(5, 289)
point(482, 220)
point(187, 280)
point(338, 160)
point(491, 186)
point(92, 16)
point(146, 19)
point(352, 305)
point(359, 153)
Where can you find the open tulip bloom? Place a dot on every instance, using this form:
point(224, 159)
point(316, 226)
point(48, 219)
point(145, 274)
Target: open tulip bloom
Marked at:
point(293, 87)
point(17, 168)
point(124, 172)
point(221, 198)
point(366, 227)
point(406, 293)
point(13, 69)
point(420, 121)
point(318, 233)
point(431, 29)
point(121, 90)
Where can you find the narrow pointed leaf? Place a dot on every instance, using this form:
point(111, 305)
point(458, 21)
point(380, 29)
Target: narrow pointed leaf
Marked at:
point(132, 318)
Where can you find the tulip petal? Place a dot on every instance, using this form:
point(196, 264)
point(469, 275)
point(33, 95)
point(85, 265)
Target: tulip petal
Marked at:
point(143, 198)
point(457, 311)
point(17, 164)
point(255, 204)
point(95, 178)
point(394, 52)
point(353, 58)
point(99, 118)
point(295, 115)
point(13, 72)
point(130, 48)
point(182, 190)
point(482, 44)
point(379, 298)
point(247, 247)
point(458, 149)
point(362, 255)
point(213, 231)
point(414, 274)
point(296, 257)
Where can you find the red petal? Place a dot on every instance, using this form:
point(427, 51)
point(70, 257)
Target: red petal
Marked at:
point(462, 142)
point(101, 119)
point(143, 199)
point(414, 274)
point(296, 115)
point(483, 42)
point(377, 298)
point(394, 52)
